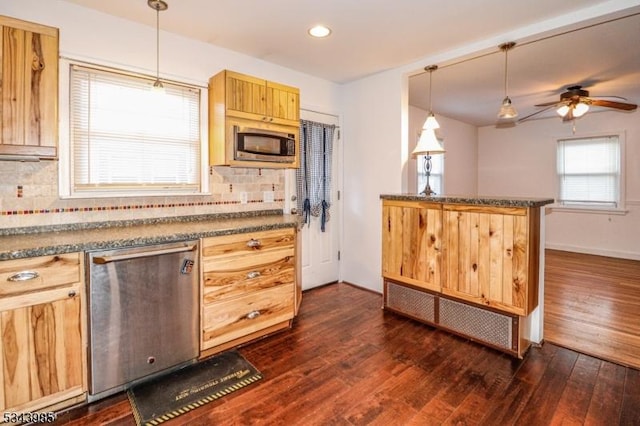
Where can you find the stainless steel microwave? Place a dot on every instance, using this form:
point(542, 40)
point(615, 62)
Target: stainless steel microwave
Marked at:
point(253, 144)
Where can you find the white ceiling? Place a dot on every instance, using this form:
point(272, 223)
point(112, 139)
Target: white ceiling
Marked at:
point(374, 35)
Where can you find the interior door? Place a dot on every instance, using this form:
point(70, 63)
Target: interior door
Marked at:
point(320, 250)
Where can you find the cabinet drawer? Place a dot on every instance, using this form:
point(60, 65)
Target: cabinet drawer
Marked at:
point(246, 244)
point(37, 273)
point(233, 318)
point(240, 275)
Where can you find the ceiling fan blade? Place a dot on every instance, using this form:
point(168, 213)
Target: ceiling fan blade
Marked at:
point(536, 113)
point(613, 104)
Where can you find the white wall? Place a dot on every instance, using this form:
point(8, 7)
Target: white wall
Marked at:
point(460, 140)
point(521, 161)
point(374, 160)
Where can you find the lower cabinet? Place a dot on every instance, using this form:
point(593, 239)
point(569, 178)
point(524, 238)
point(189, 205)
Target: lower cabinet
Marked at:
point(249, 287)
point(471, 269)
point(42, 341)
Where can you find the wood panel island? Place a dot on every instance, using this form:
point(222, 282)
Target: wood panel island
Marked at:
point(470, 265)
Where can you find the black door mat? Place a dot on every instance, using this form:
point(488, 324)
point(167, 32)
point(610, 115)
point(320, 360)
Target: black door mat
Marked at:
point(166, 397)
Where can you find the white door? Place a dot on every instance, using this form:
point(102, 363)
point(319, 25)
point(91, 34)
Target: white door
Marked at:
point(320, 250)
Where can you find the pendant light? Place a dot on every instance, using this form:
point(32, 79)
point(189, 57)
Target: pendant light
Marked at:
point(507, 110)
point(431, 123)
point(158, 6)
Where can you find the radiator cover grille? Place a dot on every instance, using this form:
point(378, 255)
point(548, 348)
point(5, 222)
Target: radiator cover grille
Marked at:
point(495, 329)
point(415, 303)
point(484, 325)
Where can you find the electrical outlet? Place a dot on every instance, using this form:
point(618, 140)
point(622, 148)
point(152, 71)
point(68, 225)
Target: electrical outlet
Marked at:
point(244, 198)
point(268, 197)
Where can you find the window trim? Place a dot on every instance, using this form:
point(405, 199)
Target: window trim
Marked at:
point(620, 209)
point(64, 143)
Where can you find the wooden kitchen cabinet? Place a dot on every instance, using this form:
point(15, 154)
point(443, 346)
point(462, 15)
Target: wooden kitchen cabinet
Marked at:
point(42, 340)
point(241, 100)
point(254, 98)
point(249, 287)
point(491, 256)
point(29, 88)
point(411, 243)
point(469, 266)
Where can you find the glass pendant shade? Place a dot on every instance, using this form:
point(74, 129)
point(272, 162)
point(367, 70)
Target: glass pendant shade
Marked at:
point(579, 109)
point(507, 110)
point(563, 110)
point(427, 144)
point(431, 123)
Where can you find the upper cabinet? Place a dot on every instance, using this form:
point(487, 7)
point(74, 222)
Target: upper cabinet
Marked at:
point(257, 99)
point(29, 89)
point(239, 101)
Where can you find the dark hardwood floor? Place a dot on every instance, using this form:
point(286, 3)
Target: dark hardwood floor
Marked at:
point(348, 362)
point(592, 305)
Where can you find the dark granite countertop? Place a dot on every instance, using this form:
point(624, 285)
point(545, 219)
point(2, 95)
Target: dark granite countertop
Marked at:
point(473, 200)
point(21, 242)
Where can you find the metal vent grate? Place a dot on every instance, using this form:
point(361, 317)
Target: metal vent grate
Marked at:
point(412, 302)
point(481, 324)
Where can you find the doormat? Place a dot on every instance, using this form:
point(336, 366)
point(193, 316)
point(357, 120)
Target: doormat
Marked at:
point(166, 397)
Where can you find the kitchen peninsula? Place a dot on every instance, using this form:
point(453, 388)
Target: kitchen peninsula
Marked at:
point(471, 265)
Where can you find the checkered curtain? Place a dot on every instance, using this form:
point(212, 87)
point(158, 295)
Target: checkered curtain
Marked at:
point(314, 175)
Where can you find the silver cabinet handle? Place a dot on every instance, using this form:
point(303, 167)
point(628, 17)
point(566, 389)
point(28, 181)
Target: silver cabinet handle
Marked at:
point(253, 274)
point(253, 314)
point(253, 243)
point(23, 276)
point(101, 260)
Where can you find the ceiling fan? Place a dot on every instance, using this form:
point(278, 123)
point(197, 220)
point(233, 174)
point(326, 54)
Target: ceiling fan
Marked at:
point(575, 103)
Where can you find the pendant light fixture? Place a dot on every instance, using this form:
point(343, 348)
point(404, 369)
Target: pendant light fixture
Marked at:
point(507, 110)
point(431, 123)
point(158, 6)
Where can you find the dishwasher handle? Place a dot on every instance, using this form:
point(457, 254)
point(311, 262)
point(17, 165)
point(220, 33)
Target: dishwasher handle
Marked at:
point(101, 260)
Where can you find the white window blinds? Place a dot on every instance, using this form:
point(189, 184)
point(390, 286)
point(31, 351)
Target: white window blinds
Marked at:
point(589, 171)
point(125, 137)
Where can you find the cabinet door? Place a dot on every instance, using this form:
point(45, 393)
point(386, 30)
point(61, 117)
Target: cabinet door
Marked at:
point(487, 257)
point(411, 243)
point(41, 349)
point(246, 96)
point(29, 87)
point(283, 104)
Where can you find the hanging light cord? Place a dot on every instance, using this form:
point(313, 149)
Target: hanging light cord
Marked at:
point(157, 44)
point(506, 53)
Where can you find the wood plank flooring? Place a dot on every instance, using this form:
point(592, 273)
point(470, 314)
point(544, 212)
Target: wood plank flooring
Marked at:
point(348, 362)
point(592, 305)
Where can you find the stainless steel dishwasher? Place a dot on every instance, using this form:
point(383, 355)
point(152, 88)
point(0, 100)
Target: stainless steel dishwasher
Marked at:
point(143, 313)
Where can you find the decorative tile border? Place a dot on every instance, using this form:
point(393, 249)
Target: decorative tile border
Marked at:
point(127, 207)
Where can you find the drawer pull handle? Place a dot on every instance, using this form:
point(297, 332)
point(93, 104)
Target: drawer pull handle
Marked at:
point(253, 274)
point(253, 243)
point(23, 276)
point(253, 315)
point(72, 293)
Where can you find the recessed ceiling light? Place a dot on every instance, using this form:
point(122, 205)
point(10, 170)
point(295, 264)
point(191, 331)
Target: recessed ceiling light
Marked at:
point(319, 31)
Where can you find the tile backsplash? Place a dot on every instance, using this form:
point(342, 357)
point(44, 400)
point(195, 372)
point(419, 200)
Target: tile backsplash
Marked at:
point(29, 197)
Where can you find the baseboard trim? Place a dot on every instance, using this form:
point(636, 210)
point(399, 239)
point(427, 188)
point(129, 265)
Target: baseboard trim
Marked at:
point(597, 252)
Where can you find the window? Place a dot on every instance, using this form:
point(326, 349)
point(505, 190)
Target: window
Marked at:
point(436, 177)
point(589, 171)
point(127, 139)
